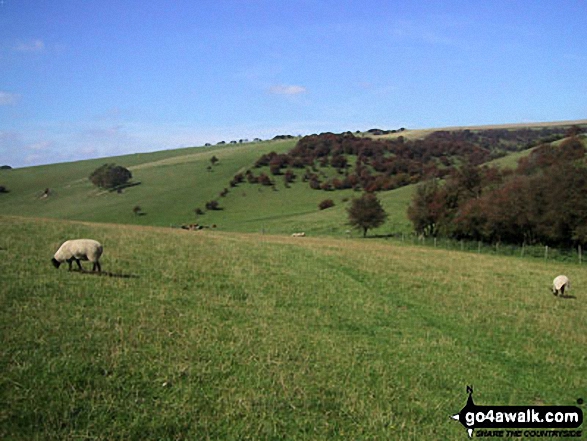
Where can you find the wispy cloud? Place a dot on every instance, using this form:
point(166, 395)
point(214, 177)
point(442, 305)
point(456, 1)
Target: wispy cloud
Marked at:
point(30, 46)
point(8, 99)
point(283, 89)
point(40, 146)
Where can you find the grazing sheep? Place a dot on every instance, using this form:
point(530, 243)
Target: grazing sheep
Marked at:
point(298, 235)
point(79, 249)
point(559, 284)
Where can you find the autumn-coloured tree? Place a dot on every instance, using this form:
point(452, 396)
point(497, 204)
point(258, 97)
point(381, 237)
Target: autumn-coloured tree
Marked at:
point(428, 208)
point(366, 213)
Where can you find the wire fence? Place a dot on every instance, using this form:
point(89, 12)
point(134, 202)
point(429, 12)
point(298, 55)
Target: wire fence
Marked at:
point(559, 254)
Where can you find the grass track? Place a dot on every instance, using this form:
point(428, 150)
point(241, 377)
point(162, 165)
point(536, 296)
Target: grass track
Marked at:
point(215, 335)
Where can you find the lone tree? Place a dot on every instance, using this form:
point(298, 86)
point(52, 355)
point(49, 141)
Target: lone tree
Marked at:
point(366, 212)
point(110, 176)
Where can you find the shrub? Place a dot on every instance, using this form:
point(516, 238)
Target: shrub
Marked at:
point(289, 176)
point(198, 211)
point(212, 205)
point(237, 179)
point(110, 176)
point(263, 179)
point(326, 203)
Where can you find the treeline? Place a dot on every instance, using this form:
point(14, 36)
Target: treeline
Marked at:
point(544, 200)
point(368, 164)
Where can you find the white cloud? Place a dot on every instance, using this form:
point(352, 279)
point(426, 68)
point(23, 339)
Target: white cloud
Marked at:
point(30, 46)
point(8, 99)
point(40, 146)
point(283, 89)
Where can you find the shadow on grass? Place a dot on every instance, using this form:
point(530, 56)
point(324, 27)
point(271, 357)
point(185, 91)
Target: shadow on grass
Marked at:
point(107, 274)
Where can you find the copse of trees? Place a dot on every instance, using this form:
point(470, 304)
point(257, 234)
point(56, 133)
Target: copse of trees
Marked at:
point(544, 200)
point(386, 164)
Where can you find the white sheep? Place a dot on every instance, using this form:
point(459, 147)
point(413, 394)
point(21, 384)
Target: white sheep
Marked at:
point(79, 249)
point(559, 284)
point(298, 235)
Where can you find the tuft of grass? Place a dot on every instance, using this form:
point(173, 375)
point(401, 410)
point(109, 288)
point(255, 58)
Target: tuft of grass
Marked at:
point(216, 335)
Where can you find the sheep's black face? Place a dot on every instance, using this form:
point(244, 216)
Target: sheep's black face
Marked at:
point(55, 262)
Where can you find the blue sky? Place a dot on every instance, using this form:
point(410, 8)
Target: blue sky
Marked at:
point(85, 79)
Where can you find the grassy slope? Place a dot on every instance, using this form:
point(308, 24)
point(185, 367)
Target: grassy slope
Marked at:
point(237, 336)
point(174, 183)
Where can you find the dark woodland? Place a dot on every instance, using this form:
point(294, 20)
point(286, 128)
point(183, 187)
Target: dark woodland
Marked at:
point(544, 200)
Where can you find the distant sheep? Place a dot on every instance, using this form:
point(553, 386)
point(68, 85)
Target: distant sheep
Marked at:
point(560, 284)
point(79, 249)
point(298, 235)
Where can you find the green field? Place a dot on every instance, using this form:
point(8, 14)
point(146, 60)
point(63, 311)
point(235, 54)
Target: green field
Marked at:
point(223, 335)
point(240, 331)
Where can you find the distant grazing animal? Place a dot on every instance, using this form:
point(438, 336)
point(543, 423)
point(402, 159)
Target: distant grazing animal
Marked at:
point(560, 284)
point(298, 235)
point(79, 249)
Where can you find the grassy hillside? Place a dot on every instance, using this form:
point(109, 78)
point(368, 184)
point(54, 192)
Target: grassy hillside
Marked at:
point(173, 183)
point(244, 336)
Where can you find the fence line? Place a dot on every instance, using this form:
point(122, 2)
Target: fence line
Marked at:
point(544, 252)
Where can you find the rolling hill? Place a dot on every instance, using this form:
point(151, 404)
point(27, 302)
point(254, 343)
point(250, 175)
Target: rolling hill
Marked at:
point(231, 334)
point(173, 183)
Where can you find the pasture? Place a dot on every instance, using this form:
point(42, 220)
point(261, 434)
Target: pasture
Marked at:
point(174, 183)
point(218, 335)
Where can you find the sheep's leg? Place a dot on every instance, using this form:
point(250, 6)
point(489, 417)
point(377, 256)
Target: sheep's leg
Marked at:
point(69, 262)
point(563, 290)
point(79, 264)
point(97, 265)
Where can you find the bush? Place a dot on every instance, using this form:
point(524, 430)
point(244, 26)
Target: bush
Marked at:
point(110, 176)
point(326, 203)
point(263, 179)
point(212, 205)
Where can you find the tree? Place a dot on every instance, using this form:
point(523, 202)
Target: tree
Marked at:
point(110, 176)
point(428, 208)
point(366, 212)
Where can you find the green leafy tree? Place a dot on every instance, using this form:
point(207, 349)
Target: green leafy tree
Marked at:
point(366, 212)
point(110, 176)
